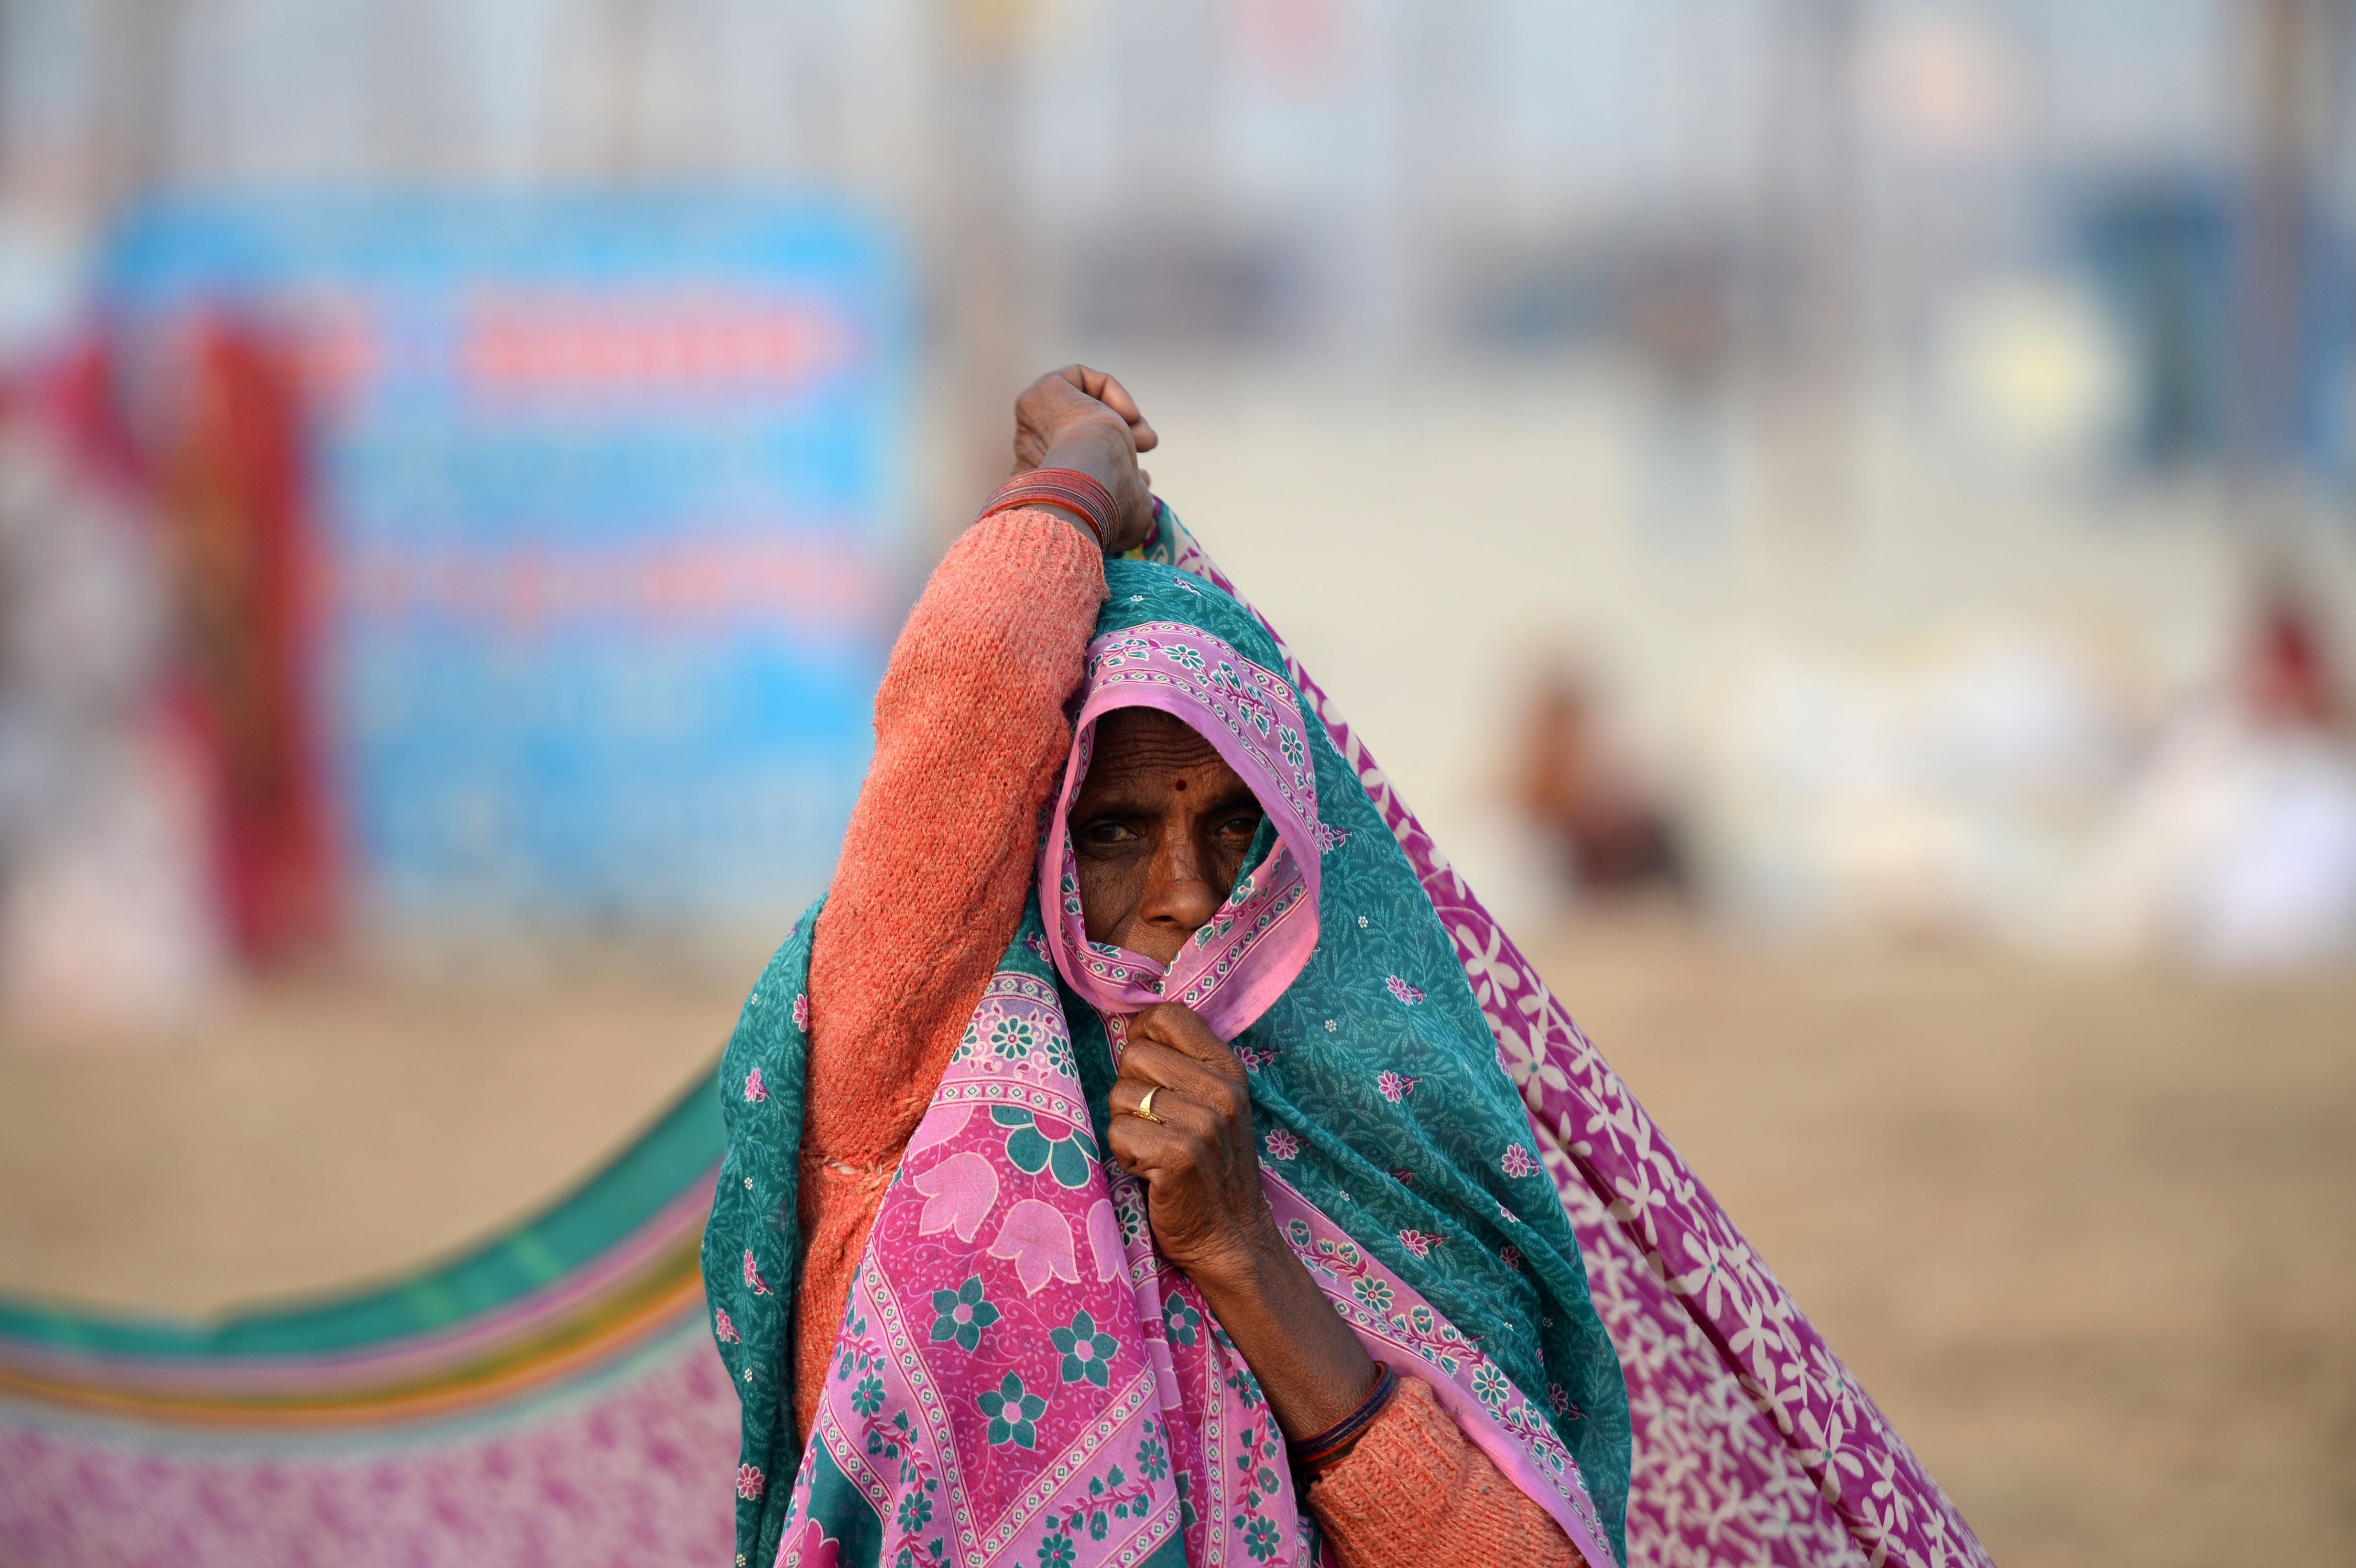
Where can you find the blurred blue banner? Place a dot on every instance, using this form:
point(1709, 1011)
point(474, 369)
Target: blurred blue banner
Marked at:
point(609, 494)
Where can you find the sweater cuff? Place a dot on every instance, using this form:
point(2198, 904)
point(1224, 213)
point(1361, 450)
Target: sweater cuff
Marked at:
point(1044, 535)
point(1416, 1491)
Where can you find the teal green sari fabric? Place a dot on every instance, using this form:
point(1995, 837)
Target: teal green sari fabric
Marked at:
point(1438, 1162)
point(751, 1247)
point(1376, 1093)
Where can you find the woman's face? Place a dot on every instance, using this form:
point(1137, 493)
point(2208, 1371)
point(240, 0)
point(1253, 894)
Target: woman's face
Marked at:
point(1160, 828)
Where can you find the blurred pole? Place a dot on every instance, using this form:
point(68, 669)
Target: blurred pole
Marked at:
point(976, 249)
point(621, 91)
point(12, 26)
point(132, 97)
point(2291, 59)
point(416, 116)
point(1809, 233)
point(1437, 70)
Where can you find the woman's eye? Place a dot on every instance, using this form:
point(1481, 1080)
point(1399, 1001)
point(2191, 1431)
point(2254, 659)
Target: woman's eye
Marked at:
point(1106, 833)
point(1242, 826)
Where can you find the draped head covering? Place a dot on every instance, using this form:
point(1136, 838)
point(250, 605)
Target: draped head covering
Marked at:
point(1256, 944)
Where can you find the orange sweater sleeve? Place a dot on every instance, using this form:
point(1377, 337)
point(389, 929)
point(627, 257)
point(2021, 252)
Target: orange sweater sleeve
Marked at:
point(970, 739)
point(1416, 1493)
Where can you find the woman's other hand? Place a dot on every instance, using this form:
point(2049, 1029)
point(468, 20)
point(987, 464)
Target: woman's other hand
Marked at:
point(1203, 1199)
point(1082, 418)
point(1199, 1163)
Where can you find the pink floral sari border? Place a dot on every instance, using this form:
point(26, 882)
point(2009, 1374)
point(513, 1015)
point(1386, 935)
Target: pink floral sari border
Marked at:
point(1748, 1429)
point(1015, 1379)
point(1250, 715)
point(1399, 1326)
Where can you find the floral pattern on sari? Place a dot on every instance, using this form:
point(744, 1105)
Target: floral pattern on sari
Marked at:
point(1751, 1442)
point(1002, 1226)
point(1511, 1188)
point(1016, 1379)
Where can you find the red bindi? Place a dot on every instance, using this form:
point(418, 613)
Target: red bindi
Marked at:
point(1178, 784)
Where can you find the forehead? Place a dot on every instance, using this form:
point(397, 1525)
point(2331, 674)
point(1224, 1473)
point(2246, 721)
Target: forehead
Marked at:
point(1140, 745)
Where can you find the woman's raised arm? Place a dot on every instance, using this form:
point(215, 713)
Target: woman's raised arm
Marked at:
point(970, 740)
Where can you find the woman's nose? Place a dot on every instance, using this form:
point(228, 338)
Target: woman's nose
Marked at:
point(1175, 887)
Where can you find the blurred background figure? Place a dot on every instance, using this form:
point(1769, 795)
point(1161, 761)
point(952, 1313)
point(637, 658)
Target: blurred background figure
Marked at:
point(236, 500)
point(2237, 840)
point(462, 462)
point(106, 923)
point(1606, 833)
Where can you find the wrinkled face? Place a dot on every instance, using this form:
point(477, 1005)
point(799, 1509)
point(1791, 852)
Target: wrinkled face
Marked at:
point(1160, 829)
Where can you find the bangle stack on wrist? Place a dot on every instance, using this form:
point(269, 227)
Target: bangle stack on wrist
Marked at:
point(1311, 1456)
point(1067, 489)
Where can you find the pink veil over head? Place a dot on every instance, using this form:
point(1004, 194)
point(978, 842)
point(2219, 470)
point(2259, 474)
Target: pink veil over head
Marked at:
point(1258, 940)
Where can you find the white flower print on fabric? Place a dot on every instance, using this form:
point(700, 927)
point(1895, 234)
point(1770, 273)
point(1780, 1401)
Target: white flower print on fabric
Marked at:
point(1751, 1443)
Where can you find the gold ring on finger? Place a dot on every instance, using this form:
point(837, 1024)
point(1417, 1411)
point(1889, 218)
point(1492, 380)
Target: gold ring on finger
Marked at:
point(1144, 1111)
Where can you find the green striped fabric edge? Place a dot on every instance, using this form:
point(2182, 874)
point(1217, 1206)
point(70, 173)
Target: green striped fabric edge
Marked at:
point(680, 1149)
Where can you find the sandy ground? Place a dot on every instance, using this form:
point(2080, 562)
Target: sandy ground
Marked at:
point(2087, 1237)
point(2090, 1240)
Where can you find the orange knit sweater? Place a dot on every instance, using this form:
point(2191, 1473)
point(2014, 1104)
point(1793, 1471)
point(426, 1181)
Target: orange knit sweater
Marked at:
point(970, 740)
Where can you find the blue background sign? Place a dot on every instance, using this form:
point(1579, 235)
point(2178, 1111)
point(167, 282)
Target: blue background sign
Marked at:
point(609, 492)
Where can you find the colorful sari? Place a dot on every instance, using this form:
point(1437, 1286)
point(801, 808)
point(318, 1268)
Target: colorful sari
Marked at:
point(1016, 1378)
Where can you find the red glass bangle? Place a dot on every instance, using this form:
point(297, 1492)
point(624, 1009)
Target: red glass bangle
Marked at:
point(1311, 1455)
point(1067, 489)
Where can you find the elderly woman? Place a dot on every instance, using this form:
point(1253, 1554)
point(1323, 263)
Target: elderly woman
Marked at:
point(1119, 1165)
